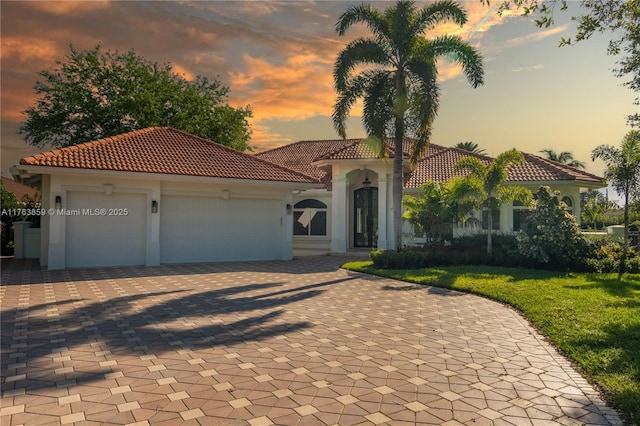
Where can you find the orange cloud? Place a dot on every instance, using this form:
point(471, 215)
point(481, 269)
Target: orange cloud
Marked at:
point(298, 88)
point(68, 7)
point(27, 49)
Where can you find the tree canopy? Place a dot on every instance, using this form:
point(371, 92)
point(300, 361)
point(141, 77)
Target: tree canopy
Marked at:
point(564, 157)
point(623, 173)
point(471, 147)
point(491, 180)
point(95, 94)
point(395, 73)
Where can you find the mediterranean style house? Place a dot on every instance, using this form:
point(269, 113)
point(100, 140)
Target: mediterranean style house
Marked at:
point(160, 195)
point(353, 208)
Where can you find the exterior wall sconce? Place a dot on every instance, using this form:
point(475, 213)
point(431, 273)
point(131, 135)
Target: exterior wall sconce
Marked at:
point(108, 188)
point(366, 183)
point(58, 203)
point(289, 209)
point(154, 206)
point(225, 194)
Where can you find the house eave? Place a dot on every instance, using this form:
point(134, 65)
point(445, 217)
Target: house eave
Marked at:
point(31, 170)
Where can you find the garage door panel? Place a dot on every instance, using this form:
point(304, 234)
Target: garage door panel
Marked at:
point(105, 240)
point(206, 229)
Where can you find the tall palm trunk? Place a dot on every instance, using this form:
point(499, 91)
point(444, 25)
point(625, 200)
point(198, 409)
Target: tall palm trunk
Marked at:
point(398, 183)
point(400, 107)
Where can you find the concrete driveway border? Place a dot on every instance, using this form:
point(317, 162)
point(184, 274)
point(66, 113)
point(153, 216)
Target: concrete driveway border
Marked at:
point(260, 343)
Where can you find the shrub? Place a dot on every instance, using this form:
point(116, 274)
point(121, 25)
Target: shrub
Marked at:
point(551, 236)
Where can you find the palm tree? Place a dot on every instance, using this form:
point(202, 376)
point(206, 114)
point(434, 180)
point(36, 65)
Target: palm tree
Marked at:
point(491, 180)
point(563, 158)
point(623, 173)
point(395, 73)
point(440, 206)
point(471, 147)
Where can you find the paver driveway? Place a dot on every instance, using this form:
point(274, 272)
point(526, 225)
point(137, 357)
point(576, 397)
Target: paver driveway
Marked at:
point(300, 342)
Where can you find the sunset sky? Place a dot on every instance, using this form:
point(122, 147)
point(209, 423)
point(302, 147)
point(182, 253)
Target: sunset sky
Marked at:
point(278, 57)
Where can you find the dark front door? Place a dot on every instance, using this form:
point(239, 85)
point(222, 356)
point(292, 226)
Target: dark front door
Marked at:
point(365, 223)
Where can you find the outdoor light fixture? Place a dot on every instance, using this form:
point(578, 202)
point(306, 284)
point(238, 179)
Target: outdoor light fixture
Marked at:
point(154, 206)
point(225, 194)
point(366, 183)
point(108, 188)
point(289, 209)
point(58, 202)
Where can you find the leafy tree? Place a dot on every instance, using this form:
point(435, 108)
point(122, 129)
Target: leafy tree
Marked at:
point(551, 235)
point(623, 173)
point(95, 94)
point(471, 147)
point(620, 18)
point(491, 181)
point(395, 73)
point(563, 157)
point(594, 204)
point(439, 206)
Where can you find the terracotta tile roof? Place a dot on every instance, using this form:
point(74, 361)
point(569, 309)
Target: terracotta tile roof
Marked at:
point(301, 155)
point(18, 189)
point(440, 167)
point(165, 150)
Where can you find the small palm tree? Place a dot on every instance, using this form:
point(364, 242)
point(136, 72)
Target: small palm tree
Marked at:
point(471, 147)
point(395, 73)
point(623, 173)
point(491, 180)
point(440, 206)
point(564, 158)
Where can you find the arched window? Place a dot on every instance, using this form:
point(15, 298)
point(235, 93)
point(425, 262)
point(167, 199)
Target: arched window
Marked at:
point(310, 218)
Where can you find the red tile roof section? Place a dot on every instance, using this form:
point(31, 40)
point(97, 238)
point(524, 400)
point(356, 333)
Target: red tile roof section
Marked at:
point(439, 167)
point(301, 155)
point(19, 190)
point(165, 150)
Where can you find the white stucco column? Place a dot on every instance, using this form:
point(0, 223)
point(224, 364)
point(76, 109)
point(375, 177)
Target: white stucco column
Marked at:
point(339, 208)
point(382, 211)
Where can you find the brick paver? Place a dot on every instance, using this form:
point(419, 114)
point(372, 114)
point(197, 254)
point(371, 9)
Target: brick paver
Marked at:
point(260, 343)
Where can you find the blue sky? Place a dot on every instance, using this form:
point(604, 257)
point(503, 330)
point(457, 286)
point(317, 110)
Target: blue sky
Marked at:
point(278, 58)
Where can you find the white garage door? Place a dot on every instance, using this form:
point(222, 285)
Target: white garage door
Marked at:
point(111, 239)
point(204, 229)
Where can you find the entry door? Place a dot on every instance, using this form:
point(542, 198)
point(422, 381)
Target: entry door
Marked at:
point(365, 223)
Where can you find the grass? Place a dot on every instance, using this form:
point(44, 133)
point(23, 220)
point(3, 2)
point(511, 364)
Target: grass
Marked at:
point(592, 318)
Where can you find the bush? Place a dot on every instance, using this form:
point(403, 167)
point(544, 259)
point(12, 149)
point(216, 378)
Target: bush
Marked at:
point(551, 236)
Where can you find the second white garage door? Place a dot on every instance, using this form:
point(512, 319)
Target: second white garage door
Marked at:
point(207, 229)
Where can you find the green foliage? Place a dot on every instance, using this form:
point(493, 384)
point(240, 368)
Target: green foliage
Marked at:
point(395, 73)
point(95, 94)
point(11, 205)
point(623, 173)
point(438, 207)
point(471, 147)
point(551, 235)
point(594, 205)
point(563, 157)
point(467, 250)
point(491, 182)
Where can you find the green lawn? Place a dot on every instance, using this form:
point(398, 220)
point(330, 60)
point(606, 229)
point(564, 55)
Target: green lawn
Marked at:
point(593, 318)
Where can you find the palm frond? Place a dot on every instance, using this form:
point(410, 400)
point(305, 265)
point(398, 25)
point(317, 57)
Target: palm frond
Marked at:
point(359, 51)
point(458, 51)
point(437, 13)
point(362, 13)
